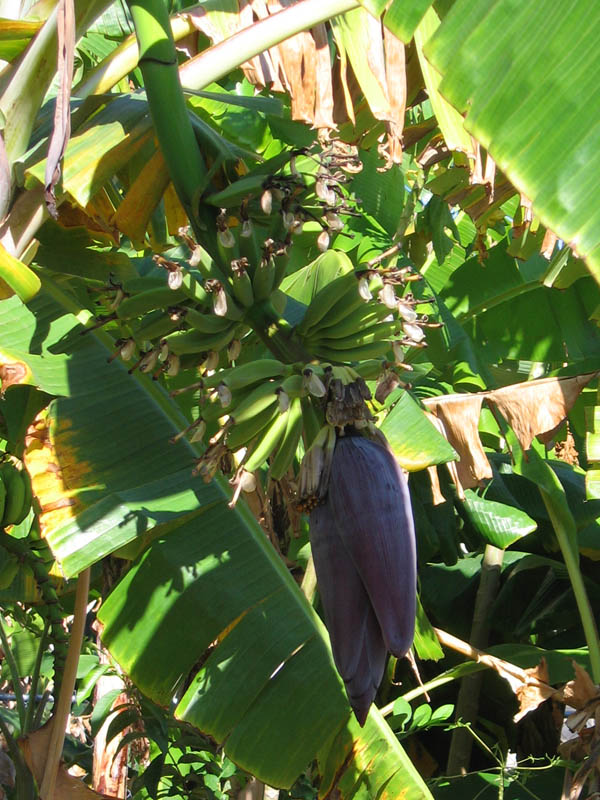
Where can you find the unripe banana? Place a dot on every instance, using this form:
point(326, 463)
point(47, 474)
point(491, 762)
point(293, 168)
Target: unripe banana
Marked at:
point(241, 286)
point(26, 480)
point(155, 325)
point(15, 495)
point(261, 397)
point(370, 351)
point(350, 303)
point(244, 432)
point(267, 442)
point(206, 322)
point(141, 303)
point(233, 195)
point(363, 317)
point(263, 280)
point(325, 299)
point(311, 423)
point(286, 451)
point(248, 374)
point(373, 334)
point(193, 341)
point(192, 285)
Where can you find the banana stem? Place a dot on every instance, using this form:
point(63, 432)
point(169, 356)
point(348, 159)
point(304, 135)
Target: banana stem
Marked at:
point(275, 333)
point(63, 704)
point(158, 63)
point(467, 703)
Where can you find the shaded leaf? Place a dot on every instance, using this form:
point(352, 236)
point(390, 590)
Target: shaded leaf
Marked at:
point(499, 524)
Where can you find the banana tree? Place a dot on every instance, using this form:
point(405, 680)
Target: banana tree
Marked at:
point(193, 553)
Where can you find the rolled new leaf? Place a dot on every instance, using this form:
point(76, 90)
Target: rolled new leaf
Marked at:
point(358, 648)
point(368, 494)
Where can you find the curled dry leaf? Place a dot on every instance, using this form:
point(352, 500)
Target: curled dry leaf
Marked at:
point(35, 750)
point(302, 66)
point(459, 415)
point(530, 685)
point(533, 408)
point(538, 408)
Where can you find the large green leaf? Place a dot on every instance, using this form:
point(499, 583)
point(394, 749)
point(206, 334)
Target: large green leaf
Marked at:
point(416, 442)
point(207, 573)
point(268, 688)
point(511, 69)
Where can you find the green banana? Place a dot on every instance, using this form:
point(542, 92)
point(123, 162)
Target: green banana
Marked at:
point(362, 317)
point(155, 325)
point(259, 398)
point(26, 480)
point(348, 304)
point(233, 195)
point(141, 303)
point(267, 442)
point(325, 299)
point(248, 374)
point(289, 444)
point(241, 286)
point(374, 350)
point(370, 369)
point(310, 421)
point(15, 495)
point(263, 280)
point(375, 333)
point(243, 432)
point(193, 288)
point(193, 341)
point(206, 322)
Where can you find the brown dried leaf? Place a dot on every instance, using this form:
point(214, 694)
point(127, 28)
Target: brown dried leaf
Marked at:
point(436, 492)
point(35, 750)
point(459, 414)
point(298, 58)
point(65, 23)
point(537, 408)
point(550, 240)
point(534, 690)
point(581, 690)
point(530, 685)
point(395, 69)
point(324, 91)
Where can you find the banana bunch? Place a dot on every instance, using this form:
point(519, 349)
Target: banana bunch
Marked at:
point(261, 404)
point(15, 492)
point(344, 322)
point(363, 545)
point(176, 324)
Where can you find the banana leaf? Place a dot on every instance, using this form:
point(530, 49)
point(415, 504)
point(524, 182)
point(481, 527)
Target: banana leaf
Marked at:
point(511, 70)
point(208, 589)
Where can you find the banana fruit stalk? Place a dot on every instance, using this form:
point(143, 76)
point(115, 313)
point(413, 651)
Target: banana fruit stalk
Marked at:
point(363, 545)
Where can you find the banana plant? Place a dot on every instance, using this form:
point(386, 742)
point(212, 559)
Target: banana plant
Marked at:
point(98, 503)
